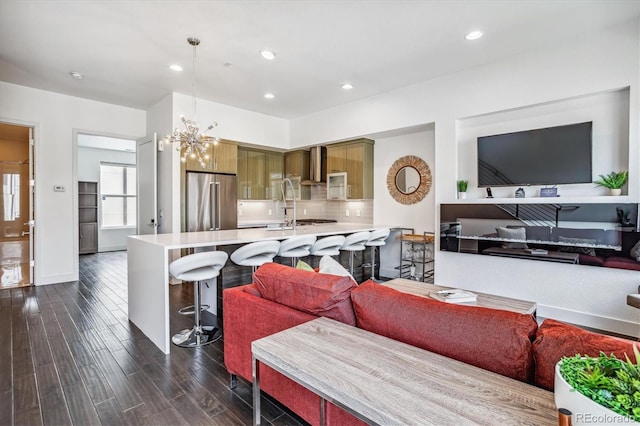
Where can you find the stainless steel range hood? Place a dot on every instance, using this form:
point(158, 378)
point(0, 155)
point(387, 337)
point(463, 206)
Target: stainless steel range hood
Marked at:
point(317, 166)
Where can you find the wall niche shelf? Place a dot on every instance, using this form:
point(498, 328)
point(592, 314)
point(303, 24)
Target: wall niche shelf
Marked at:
point(587, 199)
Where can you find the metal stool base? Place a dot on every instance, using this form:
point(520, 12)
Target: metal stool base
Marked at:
point(190, 310)
point(196, 337)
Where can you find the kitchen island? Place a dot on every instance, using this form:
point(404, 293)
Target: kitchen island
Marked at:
point(148, 267)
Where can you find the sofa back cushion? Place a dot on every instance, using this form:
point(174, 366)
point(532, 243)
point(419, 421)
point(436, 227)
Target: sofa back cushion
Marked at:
point(317, 294)
point(496, 340)
point(556, 339)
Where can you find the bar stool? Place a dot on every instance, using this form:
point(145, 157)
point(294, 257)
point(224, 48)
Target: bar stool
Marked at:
point(329, 246)
point(255, 254)
point(197, 268)
point(355, 242)
point(296, 247)
point(376, 239)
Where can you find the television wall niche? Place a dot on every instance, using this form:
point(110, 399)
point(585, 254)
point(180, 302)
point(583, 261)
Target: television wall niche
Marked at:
point(607, 111)
point(595, 234)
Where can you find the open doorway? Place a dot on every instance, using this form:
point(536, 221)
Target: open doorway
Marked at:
point(16, 206)
point(106, 192)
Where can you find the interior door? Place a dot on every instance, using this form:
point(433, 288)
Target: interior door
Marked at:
point(147, 185)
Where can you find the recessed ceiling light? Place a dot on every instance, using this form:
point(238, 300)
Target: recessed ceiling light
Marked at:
point(175, 67)
point(347, 86)
point(268, 54)
point(473, 35)
point(269, 95)
point(77, 75)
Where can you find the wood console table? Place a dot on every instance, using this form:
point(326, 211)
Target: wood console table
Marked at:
point(383, 381)
point(485, 300)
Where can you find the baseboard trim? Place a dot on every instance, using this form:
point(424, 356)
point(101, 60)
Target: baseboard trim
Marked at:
point(111, 248)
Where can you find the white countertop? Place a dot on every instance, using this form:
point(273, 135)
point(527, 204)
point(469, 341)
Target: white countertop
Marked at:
point(249, 235)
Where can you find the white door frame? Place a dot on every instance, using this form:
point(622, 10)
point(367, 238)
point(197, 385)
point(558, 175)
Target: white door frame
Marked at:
point(74, 179)
point(34, 247)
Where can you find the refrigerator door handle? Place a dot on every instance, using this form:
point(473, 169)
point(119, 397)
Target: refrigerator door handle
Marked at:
point(211, 198)
point(218, 212)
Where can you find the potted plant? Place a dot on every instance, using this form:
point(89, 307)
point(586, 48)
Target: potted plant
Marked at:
point(599, 390)
point(462, 188)
point(613, 181)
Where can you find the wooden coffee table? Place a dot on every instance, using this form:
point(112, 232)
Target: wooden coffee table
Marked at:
point(419, 288)
point(385, 382)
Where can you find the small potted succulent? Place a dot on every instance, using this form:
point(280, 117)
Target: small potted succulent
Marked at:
point(613, 181)
point(601, 389)
point(462, 188)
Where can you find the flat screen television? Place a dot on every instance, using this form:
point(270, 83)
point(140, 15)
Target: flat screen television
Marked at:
point(550, 156)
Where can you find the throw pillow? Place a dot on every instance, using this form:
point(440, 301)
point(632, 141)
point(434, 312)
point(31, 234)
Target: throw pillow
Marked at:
point(317, 294)
point(328, 265)
point(635, 252)
point(512, 234)
point(304, 266)
point(589, 251)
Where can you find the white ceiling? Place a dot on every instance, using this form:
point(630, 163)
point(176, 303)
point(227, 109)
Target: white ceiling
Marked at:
point(124, 47)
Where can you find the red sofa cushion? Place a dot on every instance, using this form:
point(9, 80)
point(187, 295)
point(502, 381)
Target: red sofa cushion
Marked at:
point(317, 294)
point(556, 339)
point(496, 340)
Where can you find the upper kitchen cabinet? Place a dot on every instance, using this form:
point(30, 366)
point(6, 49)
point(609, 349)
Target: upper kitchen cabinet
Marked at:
point(223, 158)
point(259, 174)
point(274, 171)
point(296, 164)
point(296, 167)
point(356, 159)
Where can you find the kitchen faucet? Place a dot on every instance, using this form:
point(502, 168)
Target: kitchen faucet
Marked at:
point(284, 198)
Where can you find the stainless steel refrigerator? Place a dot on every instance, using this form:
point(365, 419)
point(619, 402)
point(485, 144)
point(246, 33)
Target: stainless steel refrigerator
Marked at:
point(211, 202)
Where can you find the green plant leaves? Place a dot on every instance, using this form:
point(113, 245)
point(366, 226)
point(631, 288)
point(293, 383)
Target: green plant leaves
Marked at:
point(613, 180)
point(607, 380)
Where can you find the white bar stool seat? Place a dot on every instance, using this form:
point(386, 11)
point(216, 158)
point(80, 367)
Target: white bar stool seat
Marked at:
point(377, 238)
point(295, 247)
point(255, 254)
point(197, 268)
point(355, 242)
point(329, 246)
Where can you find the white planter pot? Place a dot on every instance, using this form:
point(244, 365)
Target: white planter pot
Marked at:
point(584, 411)
point(462, 195)
point(615, 191)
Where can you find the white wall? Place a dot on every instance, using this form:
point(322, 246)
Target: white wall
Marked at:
point(159, 119)
point(234, 123)
point(89, 160)
point(55, 117)
point(386, 210)
point(605, 61)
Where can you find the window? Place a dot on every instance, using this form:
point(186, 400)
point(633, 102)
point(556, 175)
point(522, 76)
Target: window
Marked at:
point(118, 194)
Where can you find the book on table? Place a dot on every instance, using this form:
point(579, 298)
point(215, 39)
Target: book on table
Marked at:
point(454, 295)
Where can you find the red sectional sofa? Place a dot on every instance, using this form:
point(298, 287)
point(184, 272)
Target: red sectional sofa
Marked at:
point(504, 342)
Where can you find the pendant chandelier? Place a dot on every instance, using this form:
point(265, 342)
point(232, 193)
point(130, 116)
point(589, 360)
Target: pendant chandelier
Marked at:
point(190, 142)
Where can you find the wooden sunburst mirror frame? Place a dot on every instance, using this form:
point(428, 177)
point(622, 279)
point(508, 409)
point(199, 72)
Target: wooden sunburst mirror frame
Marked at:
point(423, 187)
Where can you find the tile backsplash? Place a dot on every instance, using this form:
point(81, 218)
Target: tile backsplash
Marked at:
point(352, 211)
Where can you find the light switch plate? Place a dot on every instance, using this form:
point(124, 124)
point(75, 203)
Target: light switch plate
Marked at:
point(58, 188)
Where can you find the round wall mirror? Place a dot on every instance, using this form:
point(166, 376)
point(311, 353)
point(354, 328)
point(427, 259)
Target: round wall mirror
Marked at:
point(409, 179)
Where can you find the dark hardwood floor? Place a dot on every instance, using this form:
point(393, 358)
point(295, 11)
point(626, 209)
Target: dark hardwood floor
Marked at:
point(68, 355)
